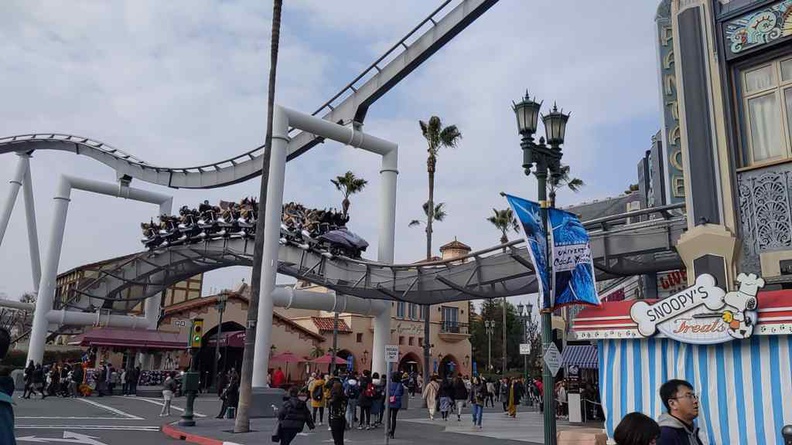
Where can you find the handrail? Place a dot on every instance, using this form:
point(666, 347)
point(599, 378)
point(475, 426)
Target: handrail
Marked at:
point(633, 213)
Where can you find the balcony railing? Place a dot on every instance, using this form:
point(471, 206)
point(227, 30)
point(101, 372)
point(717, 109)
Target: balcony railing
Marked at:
point(453, 327)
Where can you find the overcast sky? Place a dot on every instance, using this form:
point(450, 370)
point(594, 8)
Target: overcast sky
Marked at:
point(182, 83)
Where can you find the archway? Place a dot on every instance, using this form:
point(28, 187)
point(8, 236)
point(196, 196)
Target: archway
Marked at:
point(410, 363)
point(230, 351)
point(349, 357)
point(448, 366)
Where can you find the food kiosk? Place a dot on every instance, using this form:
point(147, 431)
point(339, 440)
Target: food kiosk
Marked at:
point(734, 347)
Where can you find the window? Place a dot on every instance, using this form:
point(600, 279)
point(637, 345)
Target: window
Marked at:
point(450, 317)
point(413, 311)
point(410, 341)
point(423, 312)
point(767, 110)
point(401, 340)
point(359, 338)
point(420, 341)
point(400, 309)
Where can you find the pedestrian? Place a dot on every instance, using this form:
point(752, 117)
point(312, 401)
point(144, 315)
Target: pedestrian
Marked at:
point(515, 393)
point(460, 396)
point(293, 416)
point(352, 393)
point(76, 379)
point(561, 396)
point(134, 382)
point(366, 400)
point(28, 378)
point(337, 413)
point(446, 398)
point(317, 394)
point(38, 380)
point(677, 426)
point(115, 379)
point(430, 395)
point(377, 402)
point(123, 378)
point(168, 388)
point(6, 408)
point(504, 394)
point(478, 396)
point(221, 382)
point(491, 393)
point(396, 390)
point(54, 381)
point(497, 385)
point(278, 378)
point(636, 429)
point(229, 396)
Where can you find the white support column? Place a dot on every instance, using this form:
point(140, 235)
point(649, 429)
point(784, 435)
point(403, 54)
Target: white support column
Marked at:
point(38, 332)
point(269, 265)
point(23, 163)
point(30, 216)
point(385, 252)
point(151, 310)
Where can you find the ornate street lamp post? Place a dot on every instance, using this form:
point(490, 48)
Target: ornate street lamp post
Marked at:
point(489, 326)
point(221, 304)
point(545, 159)
point(525, 315)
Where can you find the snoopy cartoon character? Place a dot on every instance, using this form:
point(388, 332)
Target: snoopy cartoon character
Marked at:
point(740, 314)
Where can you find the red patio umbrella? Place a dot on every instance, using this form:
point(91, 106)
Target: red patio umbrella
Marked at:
point(327, 359)
point(286, 357)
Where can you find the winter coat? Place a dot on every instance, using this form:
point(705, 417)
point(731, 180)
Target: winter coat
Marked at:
point(478, 393)
point(295, 414)
point(446, 389)
point(364, 401)
point(396, 391)
point(430, 393)
point(336, 405)
point(674, 432)
point(7, 411)
point(460, 391)
point(316, 403)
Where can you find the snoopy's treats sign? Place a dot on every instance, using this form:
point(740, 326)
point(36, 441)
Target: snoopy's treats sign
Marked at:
point(703, 313)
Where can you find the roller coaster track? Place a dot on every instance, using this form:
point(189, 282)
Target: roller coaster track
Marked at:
point(348, 106)
point(628, 244)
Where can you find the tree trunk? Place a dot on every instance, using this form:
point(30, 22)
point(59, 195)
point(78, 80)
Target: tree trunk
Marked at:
point(503, 240)
point(430, 168)
point(345, 207)
point(242, 422)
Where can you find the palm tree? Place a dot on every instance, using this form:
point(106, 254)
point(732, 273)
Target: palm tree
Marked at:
point(317, 352)
point(555, 182)
point(348, 184)
point(439, 214)
point(436, 137)
point(504, 221)
point(242, 423)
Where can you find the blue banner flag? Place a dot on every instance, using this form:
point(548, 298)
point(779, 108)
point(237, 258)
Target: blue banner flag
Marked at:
point(573, 268)
point(530, 216)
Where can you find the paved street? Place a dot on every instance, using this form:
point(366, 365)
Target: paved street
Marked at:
point(135, 420)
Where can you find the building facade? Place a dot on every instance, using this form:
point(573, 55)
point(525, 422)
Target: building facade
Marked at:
point(733, 75)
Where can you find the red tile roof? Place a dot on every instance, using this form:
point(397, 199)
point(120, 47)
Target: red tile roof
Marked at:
point(325, 324)
point(455, 245)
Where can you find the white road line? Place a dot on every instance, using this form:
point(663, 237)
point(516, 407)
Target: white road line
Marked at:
point(158, 403)
point(150, 428)
point(111, 409)
point(72, 418)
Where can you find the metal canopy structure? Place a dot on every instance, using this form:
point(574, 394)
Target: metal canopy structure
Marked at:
point(348, 106)
point(620, 245)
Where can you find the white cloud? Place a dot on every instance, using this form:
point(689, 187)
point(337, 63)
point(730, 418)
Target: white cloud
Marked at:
point(183, 83)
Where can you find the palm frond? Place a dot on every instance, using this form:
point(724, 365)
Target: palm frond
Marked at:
point(414, 223)
point(450, 136)
point(439, 212)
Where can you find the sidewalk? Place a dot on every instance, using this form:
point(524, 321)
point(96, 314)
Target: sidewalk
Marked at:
point(413, 427)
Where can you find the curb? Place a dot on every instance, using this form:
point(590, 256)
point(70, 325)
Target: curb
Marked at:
point(171, 431)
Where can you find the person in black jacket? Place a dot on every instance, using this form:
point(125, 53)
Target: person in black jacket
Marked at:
point(460, 396)
point(293, 416)
point(38, 381)
point(29, 380)
point(636, 429)
point(365, 401)
point(677, 426)
point(336, 412)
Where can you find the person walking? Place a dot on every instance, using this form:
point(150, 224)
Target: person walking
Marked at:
point(677, 426)
point(76, 380)
point(278, 378)
point(229, 396)
point(491, 394)
point(396, 390)
point(636, 429)
point(478, 396)
point(38, 381)
point(460, 396)
point(28, 378)
point(337, 412)
point(168, 389)
point(446, 398)
point(293, 416)
point(515, 392)
point(317, 394)
point(504, 394)
point(352, 393)
point(365, 401)
point(134, 381)
point(378, 400)
point(123, 379)
point(430, 395)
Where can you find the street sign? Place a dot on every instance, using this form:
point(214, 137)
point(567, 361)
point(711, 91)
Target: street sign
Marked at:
point(391, 354)
point(525, 349)
point(552, 359)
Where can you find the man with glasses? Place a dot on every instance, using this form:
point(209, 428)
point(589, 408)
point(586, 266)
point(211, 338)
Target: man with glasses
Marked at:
point(676, 426)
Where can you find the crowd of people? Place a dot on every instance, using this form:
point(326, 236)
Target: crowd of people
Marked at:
point(323, 229)
point(70, 379)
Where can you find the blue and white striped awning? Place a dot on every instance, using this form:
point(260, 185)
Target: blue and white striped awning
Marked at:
point(582, 356)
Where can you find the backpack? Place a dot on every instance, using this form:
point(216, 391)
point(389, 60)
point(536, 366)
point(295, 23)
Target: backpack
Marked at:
point(318, 393)
point(370, 391)
point(353, 392)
